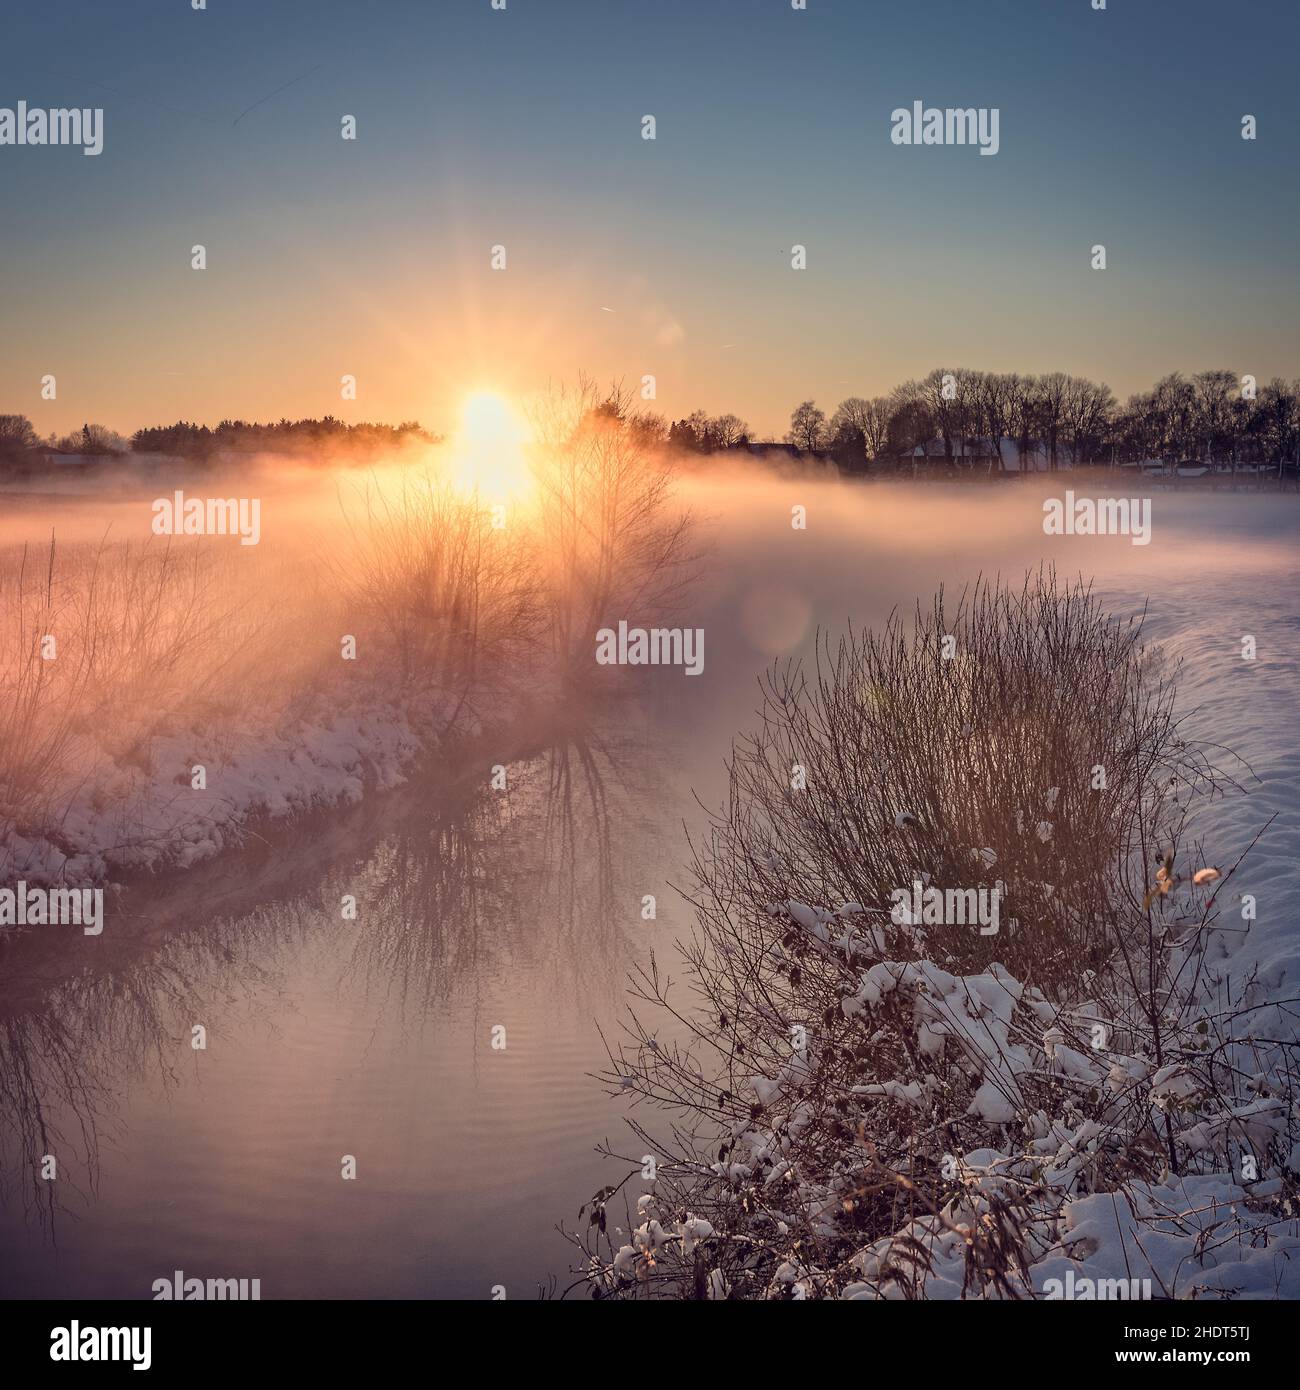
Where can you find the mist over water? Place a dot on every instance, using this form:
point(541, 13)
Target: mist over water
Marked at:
point(522, 909)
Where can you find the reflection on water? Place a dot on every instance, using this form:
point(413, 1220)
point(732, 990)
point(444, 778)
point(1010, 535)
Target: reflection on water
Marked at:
point(478, 908)
point(328, 1036)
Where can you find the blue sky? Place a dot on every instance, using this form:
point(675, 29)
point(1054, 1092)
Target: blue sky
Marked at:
point(522, 127)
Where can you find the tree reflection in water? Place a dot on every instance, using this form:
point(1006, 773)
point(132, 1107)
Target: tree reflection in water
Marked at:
point(454, 890)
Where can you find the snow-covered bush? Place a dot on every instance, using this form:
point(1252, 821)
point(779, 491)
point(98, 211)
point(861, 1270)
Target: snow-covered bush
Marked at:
point(861, 1104)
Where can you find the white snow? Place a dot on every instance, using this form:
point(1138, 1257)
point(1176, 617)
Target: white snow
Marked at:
point(119, 817)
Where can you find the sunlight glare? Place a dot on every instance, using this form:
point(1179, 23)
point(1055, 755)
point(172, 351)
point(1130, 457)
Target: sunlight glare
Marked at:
point(488, 451)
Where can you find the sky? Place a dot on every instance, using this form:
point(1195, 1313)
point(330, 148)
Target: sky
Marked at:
point(627, 257)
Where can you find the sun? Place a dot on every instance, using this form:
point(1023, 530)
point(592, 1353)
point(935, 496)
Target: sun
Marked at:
point(488, 457)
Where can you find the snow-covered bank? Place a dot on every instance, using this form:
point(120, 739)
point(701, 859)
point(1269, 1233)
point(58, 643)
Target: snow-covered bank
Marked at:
point(160, 696)
point(122, 818)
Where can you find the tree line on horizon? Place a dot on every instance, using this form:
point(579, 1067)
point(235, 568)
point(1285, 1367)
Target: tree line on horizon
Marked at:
point(284, 436)
point(1215, 415)
point(188, 440)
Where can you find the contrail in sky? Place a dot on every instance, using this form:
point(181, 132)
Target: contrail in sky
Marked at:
point(276, 93)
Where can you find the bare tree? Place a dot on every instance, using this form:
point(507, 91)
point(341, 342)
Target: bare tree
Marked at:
point(615, 542)
point(727, 431)
point(911, 424)
point(1086, 414)
point(16, 434)
point(860, 428)
point(1049, 406)
point(946, 394)
point(807, 427)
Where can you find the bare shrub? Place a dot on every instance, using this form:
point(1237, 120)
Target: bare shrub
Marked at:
point(1033, 757)
point(32, 745)
point(451, 599)
point(106, 639)
point(611, 542)
point(865, 1106)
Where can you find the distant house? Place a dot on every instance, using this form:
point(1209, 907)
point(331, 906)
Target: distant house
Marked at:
point(931, 451)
